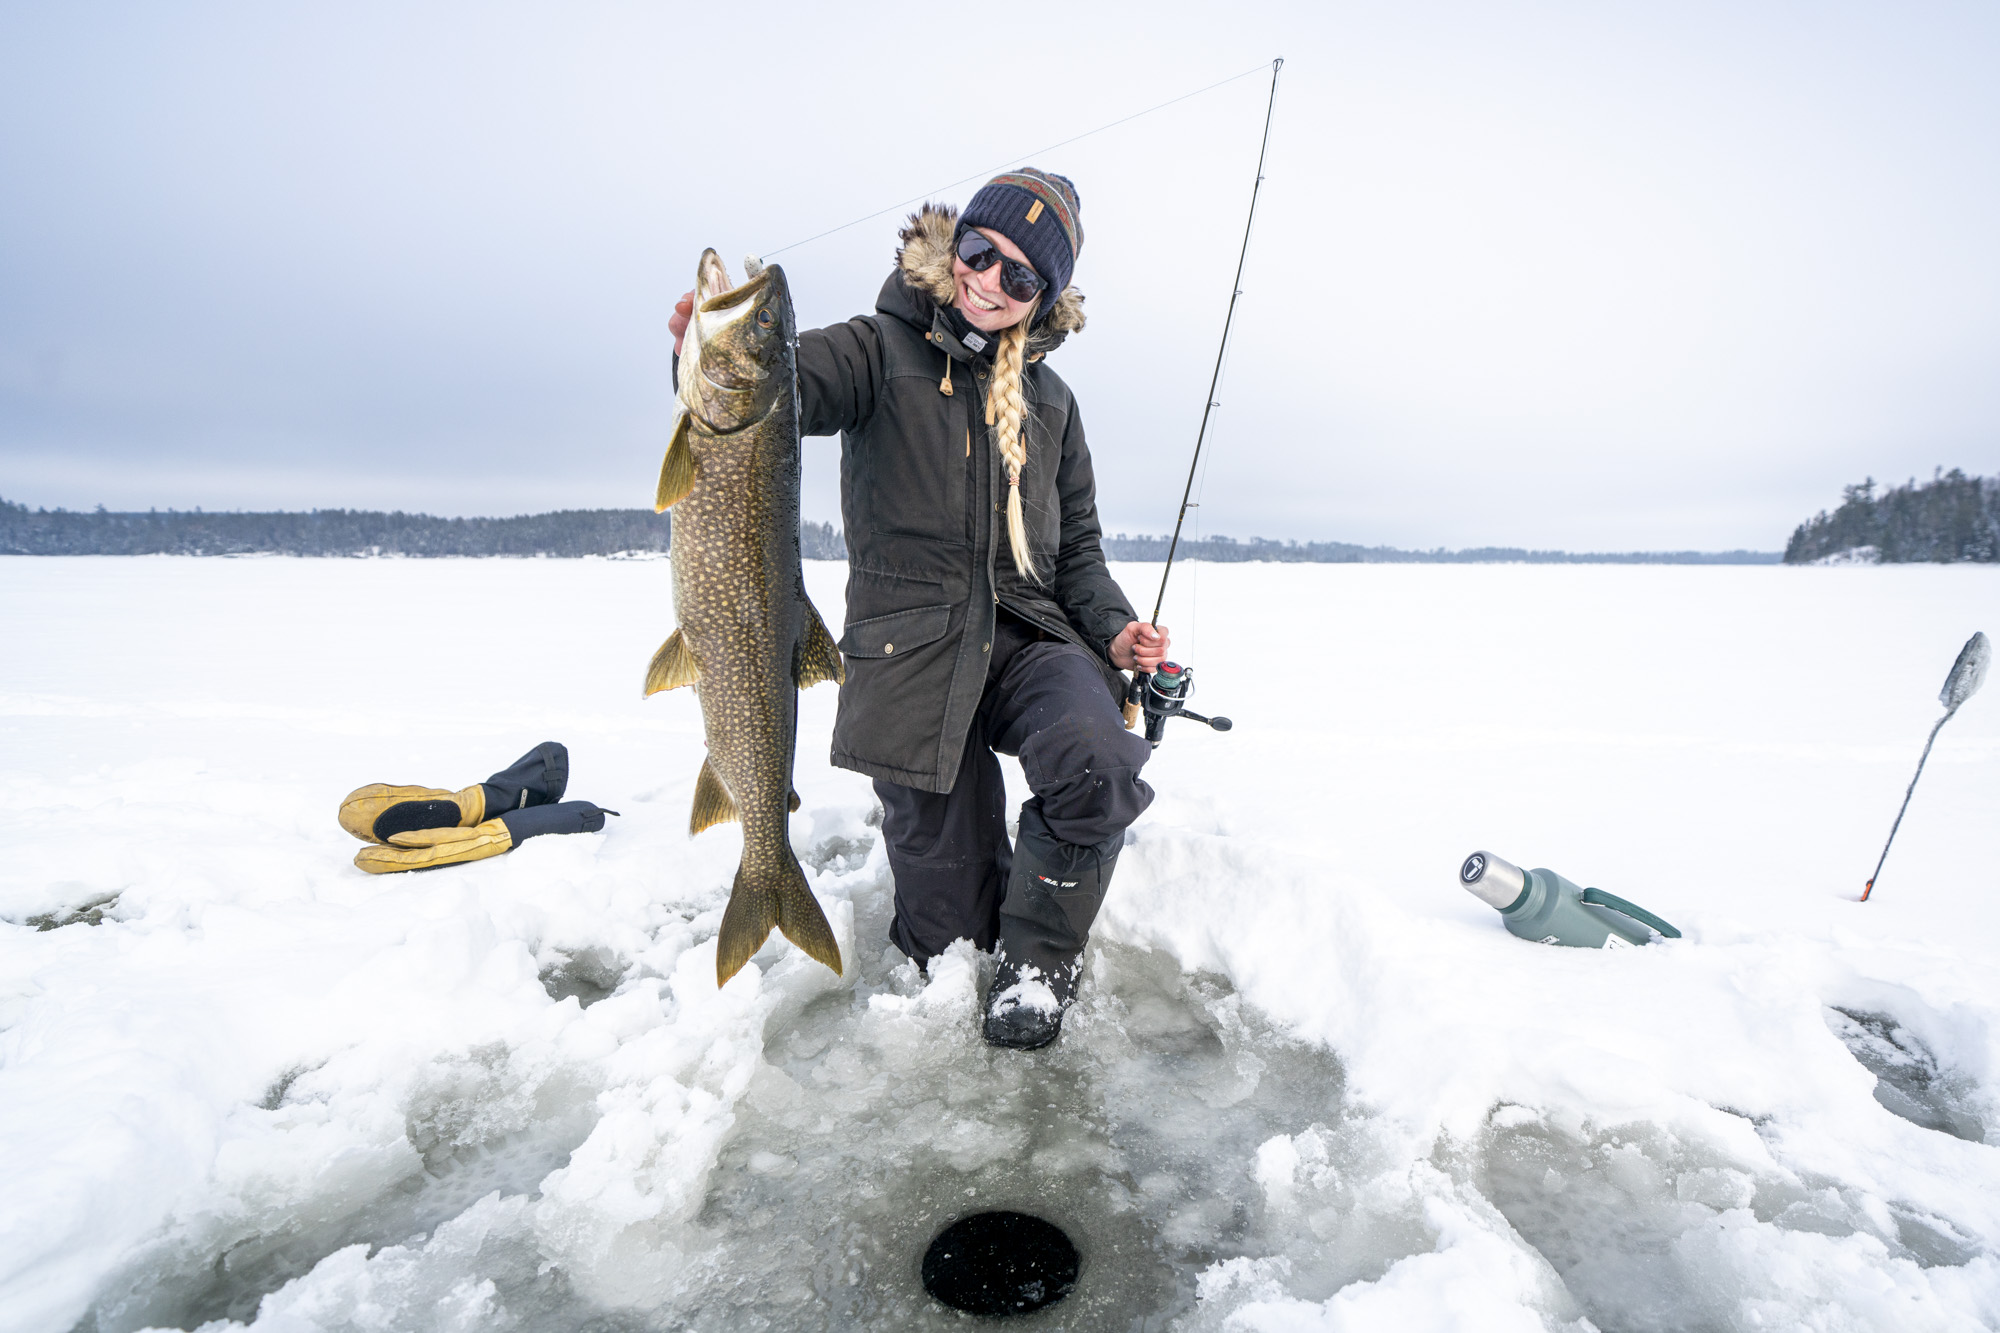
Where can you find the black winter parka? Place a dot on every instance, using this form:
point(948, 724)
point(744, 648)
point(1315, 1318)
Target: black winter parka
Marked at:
point(923, 495)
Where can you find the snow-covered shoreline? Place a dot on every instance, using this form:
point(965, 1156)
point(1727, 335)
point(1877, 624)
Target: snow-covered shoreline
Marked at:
point(260, 1045)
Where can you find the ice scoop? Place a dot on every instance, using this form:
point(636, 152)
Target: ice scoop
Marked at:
point(1967, 674)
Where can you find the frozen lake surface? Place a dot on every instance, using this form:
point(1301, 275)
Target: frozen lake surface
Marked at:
point(1313, 1084)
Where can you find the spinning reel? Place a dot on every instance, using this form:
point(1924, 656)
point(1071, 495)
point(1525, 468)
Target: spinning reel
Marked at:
point(1164, 694)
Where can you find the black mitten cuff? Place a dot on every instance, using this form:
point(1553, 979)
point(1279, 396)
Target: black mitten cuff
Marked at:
point(566, 817)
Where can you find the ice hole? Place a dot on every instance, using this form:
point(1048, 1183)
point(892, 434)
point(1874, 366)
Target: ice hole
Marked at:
point(1000, 1263)
point(1909, 1082)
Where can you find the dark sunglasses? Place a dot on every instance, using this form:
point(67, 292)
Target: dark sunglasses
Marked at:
point(1016, 279)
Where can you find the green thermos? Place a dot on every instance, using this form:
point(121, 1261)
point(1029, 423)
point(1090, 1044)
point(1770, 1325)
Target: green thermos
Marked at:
point(1542, 906)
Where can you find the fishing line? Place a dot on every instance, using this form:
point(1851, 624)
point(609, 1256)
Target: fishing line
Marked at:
point(1192, 645)
point(1019, 157)
point(1201, 534)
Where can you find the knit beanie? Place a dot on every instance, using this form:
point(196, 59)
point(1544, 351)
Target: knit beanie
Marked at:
point(1038, 211)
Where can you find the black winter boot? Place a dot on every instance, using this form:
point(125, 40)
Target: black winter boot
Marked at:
point(1053, 894)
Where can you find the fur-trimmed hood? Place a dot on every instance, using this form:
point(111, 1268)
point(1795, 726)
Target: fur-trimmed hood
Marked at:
point(924, 259)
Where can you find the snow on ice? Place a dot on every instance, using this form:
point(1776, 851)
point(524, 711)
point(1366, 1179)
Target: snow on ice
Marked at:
point(1314, 1084)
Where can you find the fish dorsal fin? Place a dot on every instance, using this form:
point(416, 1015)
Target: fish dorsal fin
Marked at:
point(677, 468)
point(816, 659)
point(672, 667)
point(712, 804)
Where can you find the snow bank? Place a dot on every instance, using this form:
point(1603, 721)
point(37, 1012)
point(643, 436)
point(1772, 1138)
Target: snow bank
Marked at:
point(1314, 1085)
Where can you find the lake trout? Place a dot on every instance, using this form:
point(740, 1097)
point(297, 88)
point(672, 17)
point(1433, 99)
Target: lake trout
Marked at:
point(748, 639)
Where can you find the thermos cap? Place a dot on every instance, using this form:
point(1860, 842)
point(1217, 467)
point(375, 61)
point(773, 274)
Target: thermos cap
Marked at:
point(1495, 882)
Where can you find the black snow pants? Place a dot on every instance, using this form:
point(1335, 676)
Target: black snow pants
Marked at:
point(1046, 702)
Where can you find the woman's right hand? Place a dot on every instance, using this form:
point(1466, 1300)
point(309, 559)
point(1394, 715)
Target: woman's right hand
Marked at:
point(1139, 647)
point(677, 323)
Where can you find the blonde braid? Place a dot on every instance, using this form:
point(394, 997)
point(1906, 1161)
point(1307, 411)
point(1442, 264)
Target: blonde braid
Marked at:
point(1006, 409)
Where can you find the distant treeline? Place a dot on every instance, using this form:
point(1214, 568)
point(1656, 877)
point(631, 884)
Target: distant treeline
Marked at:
point(1228, 549)
point(1950, 517)
point(353, 532)
point(581, 532)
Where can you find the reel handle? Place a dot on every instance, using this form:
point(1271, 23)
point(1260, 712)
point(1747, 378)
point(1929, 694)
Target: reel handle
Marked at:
point(1146, 698)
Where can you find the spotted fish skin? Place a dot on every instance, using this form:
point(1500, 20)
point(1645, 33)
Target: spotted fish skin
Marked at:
point(748, 638)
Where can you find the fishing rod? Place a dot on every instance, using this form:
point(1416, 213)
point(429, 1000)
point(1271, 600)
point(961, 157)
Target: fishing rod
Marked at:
point(1163, 694)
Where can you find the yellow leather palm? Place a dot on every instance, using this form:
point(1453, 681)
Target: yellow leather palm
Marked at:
point(365, 805)
point(422, 849)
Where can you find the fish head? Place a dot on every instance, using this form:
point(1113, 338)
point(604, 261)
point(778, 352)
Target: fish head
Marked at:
point(743, 335)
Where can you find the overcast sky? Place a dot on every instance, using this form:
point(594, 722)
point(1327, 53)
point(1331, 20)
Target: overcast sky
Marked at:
point(1582, 275)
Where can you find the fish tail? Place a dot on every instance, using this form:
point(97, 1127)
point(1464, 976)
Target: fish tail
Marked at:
point(767, 898)
point(802, 921)
point(746, 923)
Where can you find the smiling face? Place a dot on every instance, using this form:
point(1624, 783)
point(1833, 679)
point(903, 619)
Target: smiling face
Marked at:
point(979, 297)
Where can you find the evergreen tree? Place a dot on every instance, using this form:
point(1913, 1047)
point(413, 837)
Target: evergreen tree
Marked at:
point(1951, 517)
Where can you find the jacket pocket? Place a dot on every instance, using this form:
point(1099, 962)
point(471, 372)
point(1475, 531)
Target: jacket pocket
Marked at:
point(886, 636)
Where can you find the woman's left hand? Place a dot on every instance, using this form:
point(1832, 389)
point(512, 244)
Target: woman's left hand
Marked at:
point(1139, 647)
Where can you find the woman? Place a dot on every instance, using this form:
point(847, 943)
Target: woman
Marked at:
point(980, 614)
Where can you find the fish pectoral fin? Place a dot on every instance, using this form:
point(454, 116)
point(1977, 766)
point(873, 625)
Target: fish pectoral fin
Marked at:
point(793, 804)
point(767, 898)
point(672, 667)
point(816, 659)
point(712, 803)
point(677, 469)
